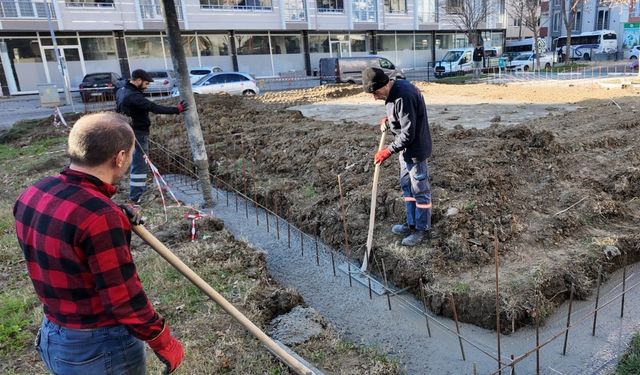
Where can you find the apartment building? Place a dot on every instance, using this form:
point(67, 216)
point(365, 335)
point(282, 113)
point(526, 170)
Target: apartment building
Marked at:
point(262, 37)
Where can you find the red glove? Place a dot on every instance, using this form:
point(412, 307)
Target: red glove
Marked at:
point(382, 155)
point(182, 106)
point(167, 349)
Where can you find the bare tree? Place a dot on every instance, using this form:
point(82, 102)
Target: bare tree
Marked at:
point(467, 16)
point(516, 10)
point(528, 12)
point(568, 20)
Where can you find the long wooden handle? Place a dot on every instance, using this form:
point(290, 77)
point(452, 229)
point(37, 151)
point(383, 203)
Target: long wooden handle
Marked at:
point(164, 252)
point(372, 211)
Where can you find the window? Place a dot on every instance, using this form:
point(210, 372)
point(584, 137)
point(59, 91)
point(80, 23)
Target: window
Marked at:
point(319, 43)
point(250, 5)
point(602, 22)
point(386, 42)
point(454, 6)
point(364, 10)
point(25, 9)
point(577, 22)
point(556, 21)
point(287, 44)
point(329, 6)
point(422, 42)
point(517, 22)
point(144, 47)
point(89, 3)
point(386, 64)
point(358, 42)
point(213, 45)
point(395, 6)
point(252, 44)
point(427, 11)
point(294, 10)
point(98, 48)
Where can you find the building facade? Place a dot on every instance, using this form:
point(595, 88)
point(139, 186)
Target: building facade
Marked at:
point(261, 37)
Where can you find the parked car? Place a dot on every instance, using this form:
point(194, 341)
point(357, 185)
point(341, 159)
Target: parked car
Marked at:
point(100, 86)
point(349, 69)
point(455, 61)
point(233, 83)
point(196, 73)
point(635, 52)
point(527, 61)
point(163, 81)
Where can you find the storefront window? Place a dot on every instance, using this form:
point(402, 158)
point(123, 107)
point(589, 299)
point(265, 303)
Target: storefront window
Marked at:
point(358, 42)
point(386, 42)
point(286, 44)
point(98, 48)
point(404, 42)
point(144, 46)
point(423, 42)
point(252, 44)
point(213, 45)
point(319, 43)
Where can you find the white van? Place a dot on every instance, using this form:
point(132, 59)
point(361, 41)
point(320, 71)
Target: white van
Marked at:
point(456, 61)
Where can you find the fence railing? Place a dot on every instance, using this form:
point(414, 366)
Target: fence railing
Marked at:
point(90, 4)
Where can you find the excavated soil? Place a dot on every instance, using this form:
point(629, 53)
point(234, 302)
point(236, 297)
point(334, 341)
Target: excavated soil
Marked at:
point(552, 191)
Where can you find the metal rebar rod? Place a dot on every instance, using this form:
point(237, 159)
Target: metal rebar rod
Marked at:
point(566, 334)
point(370, 292)
point(255, 190)
point(289, 230)
point(624, 286)
point(595, 312)
point(537, 316)
point(349, 273)
point(301, 243)
point(497, 262)
point(236, 194)
point(455, 319)
point(277, 220)
point(513, 365)
point(386, 284)
point(266, 214)
point(317, 251)
point(333, 263)
point(424, 305)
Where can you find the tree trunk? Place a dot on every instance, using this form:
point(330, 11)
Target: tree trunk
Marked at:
point(191, 119)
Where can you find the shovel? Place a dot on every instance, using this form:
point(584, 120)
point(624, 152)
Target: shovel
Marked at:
point(372, 212)
point(283, 353)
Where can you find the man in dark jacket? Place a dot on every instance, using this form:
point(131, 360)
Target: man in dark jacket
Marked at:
point(407, 120)
point(131, 101)
point(478, 56)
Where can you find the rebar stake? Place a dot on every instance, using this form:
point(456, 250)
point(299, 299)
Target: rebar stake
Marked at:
point(455, 319)
point(277, 220)
point(255, 190)
point(566, 334)
point(497, 261)
point(624, 285)
point(236, 194)
point(301, 244)
point(289, 229)
point(333, 263)
point(266, 213)
point(317, 251)
point(344, 226)
point(537, 316)
point(595, 310)
point(424, 305)
point(370, 294)
point(513, 365)
point(386, 284)
point(227, 196)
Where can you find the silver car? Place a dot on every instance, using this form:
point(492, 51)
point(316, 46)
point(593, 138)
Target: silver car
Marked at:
point(163, 81)
point(233, 83)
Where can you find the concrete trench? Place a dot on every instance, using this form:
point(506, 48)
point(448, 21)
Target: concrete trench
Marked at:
point(401, 332)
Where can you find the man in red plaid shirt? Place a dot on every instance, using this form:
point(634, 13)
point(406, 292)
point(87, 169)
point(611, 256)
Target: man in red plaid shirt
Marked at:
point(75, 240)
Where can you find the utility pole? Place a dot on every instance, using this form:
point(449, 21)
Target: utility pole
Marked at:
point(191, 119)
point(62, 64)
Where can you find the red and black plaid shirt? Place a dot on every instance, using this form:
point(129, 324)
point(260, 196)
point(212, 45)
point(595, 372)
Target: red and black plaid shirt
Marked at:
point(75, 240)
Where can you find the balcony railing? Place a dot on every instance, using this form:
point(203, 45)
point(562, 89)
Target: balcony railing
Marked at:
point(295, 14)
point(241, 5)
point(152, 10)
point(25, 9)
point(89, 3)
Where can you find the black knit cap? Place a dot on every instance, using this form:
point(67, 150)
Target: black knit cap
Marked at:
point(143, 75)
point(373, 79)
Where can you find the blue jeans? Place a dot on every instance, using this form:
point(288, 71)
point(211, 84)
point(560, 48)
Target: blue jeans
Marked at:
point(108, 351)
point(139, 170)
point(416, 190)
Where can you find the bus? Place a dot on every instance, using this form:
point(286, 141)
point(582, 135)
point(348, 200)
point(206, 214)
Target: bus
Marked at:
point(513, 48)
point(585, 45)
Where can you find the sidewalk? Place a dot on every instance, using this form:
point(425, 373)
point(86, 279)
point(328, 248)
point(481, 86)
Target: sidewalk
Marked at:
point(16, 108)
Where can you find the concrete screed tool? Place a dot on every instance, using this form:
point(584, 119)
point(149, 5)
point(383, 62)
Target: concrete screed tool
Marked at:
point(286, 355)
point(372, 212)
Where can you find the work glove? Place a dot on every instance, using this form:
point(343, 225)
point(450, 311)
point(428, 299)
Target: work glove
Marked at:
point(384, 124)
point(168, 349)
point(183, 106)
point(382, 155)
point(135, 218)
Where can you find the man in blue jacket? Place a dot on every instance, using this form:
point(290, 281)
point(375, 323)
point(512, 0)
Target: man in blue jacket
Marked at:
point(407, 120)
point(130, 100)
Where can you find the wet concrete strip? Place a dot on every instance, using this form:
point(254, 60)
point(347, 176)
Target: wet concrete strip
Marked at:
point(401, 332)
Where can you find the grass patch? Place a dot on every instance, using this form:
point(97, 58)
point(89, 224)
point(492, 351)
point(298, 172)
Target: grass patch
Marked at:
point(15, 317)
point(459, 79)
point(35, 148)
point(567, 68)
point(630, 362)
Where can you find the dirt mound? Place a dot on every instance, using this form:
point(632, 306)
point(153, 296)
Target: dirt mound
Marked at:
point(553, 190)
